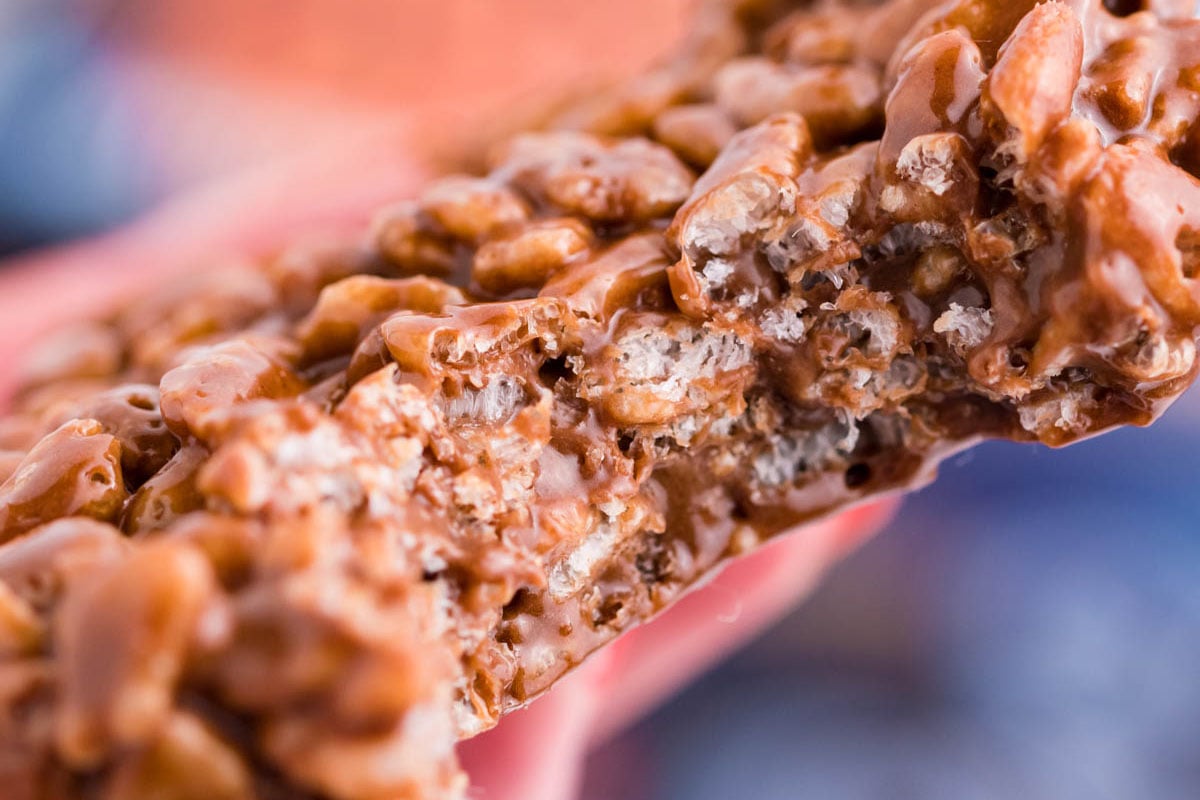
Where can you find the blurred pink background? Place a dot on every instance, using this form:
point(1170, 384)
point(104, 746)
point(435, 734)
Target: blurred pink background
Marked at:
point(214, 85)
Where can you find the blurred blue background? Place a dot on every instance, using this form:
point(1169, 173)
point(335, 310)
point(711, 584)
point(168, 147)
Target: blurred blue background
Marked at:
point(72, 160)
point(1027, 627)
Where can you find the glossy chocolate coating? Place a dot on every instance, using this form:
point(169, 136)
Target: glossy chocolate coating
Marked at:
point(292, 532)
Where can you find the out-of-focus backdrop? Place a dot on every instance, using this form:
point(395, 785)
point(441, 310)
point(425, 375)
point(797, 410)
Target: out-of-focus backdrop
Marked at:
point(107, 106)
point(1028, 628)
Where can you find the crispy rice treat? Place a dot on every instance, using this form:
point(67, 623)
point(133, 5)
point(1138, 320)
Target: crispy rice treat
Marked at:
point(291, 532)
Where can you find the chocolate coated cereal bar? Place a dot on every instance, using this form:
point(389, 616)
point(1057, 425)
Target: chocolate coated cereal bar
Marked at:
point(292, 532)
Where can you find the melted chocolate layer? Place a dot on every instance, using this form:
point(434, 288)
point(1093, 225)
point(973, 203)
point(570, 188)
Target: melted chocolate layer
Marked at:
point(291, 532)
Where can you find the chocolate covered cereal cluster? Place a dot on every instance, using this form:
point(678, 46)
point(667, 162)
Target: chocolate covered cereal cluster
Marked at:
point(293, 531)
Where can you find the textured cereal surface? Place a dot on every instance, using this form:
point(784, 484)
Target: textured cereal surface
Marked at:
point(291, 532)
